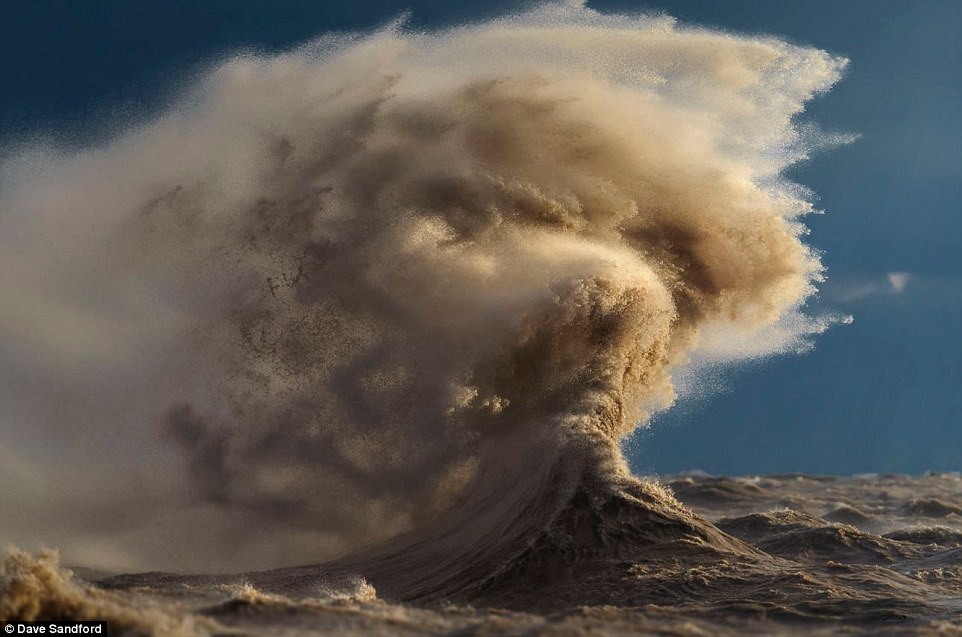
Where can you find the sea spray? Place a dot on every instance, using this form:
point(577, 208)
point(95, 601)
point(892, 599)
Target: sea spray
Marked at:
point(397, 279)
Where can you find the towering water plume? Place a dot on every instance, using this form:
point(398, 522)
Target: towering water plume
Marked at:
point(335, 293)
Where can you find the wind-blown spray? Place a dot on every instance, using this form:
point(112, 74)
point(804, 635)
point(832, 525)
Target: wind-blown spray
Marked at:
point(393, 280)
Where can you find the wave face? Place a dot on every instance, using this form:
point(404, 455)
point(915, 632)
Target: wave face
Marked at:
point(407, 283)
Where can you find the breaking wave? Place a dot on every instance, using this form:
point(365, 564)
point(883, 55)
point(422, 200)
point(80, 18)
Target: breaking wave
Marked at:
point(404, 284)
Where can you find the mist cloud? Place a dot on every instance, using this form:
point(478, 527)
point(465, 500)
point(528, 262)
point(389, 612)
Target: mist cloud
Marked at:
point(302, 310)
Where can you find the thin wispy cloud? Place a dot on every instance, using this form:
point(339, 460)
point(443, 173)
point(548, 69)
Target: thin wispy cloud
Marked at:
point(861, 288)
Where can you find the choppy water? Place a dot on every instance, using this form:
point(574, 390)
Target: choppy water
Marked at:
point(787, 554)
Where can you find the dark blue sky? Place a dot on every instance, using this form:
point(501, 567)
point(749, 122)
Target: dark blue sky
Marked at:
point(882, 394)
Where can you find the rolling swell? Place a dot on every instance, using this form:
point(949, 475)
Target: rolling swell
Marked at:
point(525, 548)
point(411, 290)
